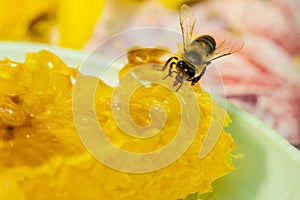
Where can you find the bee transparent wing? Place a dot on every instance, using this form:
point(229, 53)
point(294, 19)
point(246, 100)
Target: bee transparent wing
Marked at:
point(187, 23)
point(227, 47)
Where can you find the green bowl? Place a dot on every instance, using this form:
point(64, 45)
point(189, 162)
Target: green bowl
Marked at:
point(270, 169)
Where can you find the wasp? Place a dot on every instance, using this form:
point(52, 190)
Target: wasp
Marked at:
point(198, 53)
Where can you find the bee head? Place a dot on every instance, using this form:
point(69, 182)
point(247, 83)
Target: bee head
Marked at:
point(185, 69)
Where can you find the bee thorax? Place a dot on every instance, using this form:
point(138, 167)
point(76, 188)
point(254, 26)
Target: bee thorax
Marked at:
point(193, 57)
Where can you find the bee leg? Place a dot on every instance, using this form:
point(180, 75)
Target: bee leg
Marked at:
point(202, 73)
point(179, 79)
point(197, 78)
point(168, 62)
point(179, 86)
point(170, 73)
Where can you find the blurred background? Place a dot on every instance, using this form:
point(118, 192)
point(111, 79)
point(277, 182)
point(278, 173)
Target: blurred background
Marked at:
point(263, 78)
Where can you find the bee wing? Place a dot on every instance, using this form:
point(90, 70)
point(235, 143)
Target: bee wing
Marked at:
point(187, 23)
point(227, 47)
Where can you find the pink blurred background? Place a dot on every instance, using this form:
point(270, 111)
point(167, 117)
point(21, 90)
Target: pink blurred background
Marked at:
point(263, 78)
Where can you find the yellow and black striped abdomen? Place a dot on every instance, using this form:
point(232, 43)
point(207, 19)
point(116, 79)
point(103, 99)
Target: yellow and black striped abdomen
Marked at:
point(207, 42)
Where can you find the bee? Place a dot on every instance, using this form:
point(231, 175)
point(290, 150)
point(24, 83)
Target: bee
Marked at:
point(198, 53)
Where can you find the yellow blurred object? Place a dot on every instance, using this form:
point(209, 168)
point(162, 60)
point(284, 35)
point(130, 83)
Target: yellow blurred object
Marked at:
point(37, 20)
point(16, 16)
point(76, 20)
point(176, 4)
point(42, 156)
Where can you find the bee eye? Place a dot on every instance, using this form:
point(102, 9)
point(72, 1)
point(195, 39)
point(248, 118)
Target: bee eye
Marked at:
point(182, 65)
